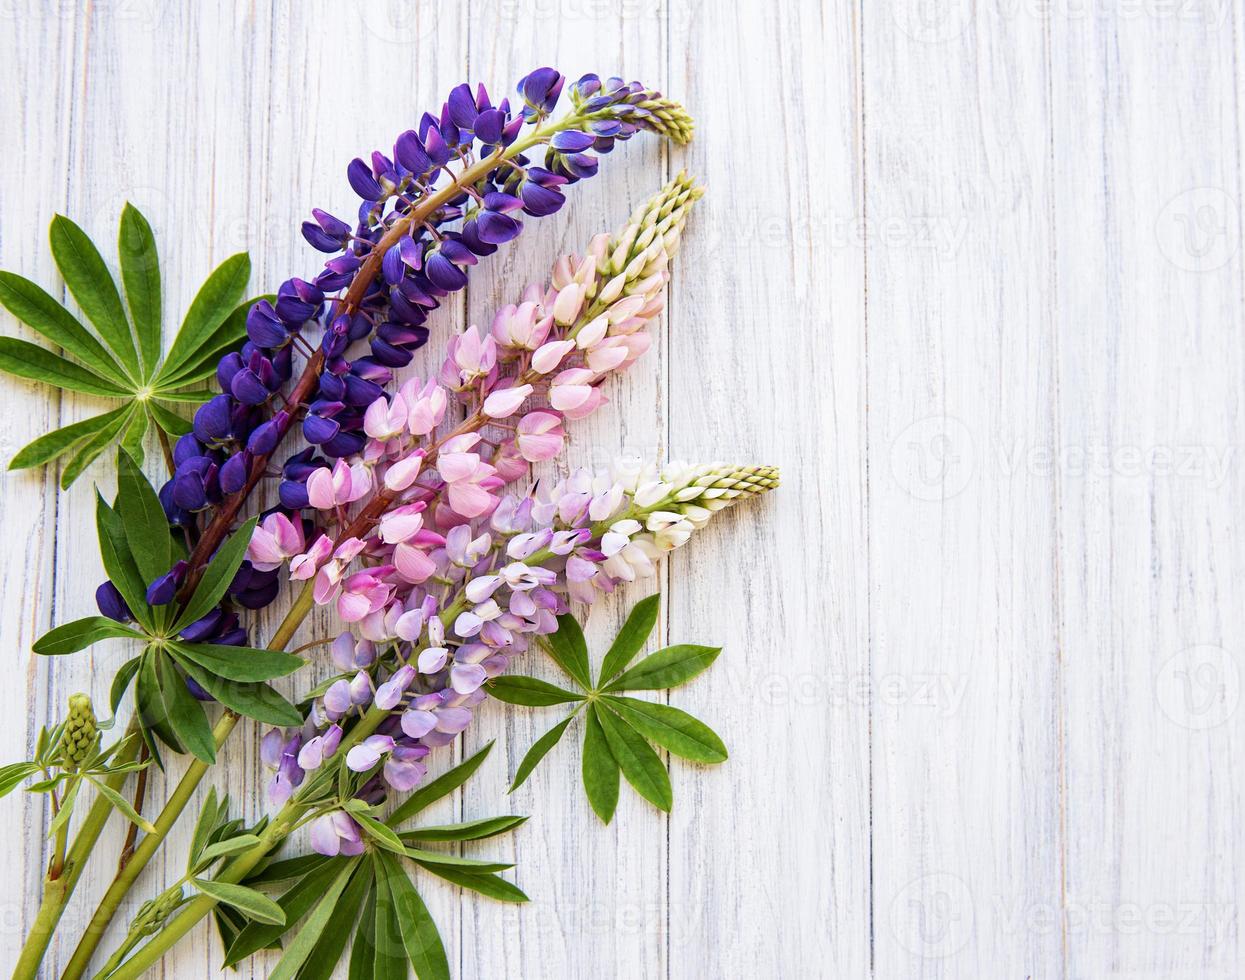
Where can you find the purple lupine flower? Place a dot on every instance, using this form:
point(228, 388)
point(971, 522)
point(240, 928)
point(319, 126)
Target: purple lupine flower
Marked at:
point(111, 603)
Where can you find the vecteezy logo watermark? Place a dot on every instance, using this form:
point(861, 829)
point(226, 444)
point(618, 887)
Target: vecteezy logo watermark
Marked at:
point(400, 21)
point(1199, 230)
point(936, 458)
point(933, 458)
point(931, 21)
point(932, 916)
point(1212, 920)
point(1199, 688)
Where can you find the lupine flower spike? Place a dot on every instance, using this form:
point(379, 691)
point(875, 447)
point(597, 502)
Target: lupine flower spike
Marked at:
point(496, 583)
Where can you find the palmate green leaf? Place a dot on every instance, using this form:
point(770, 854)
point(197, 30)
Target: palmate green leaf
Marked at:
point(383, 836)
point(92, 285)
point(140, 272)
point(12, 775)
point(255, 905)
point(287, 869)
point(443, 785)
point(569, 649)
point(48, 447)
point(80, 634)
point(390, 954)
point(144, 520)
point(470, 830)
point(121, 681)
point(419, 933)
point(529, 691)
point(38, 310)
point(599, 769)
point(363, 950)
point(66, 809)
point(119, 563)
point(203, 828)
point(639, 763)
point(170, 422)
point(239, 663)
point(197, 397)
point(252, 699)
point(134, 432)
point(118, 367)
point(212, 305)
point(216, 578)
point(222, 848)
point(424, 857)
point(122, 806)
point(149, 707)
point(668, 667)
point(631, 638)
point(322, 960)
point(184, 712)
point(227, 337)
point(27, 360)
point(490, 885)
point(670, 728)
point(294, 904)
point(538, 751)
point(91, 449)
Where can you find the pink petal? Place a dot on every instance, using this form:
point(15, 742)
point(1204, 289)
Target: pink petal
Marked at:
point(457, 466)
point(320, 489)
point(412, 563)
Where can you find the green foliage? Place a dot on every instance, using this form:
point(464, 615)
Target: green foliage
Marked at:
point(618, 730)
point(372, 895)
point(65, 767)
point(120, 360)
point(138, 546)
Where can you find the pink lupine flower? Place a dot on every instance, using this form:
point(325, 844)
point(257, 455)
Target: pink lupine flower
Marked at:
point(413, 563)
point(364, 592)
point(426, 405)
point(402, 524)
point(386, 419)
point(521, 327)
point(504, 402)
point(275, 540)
point(539, 436)
point(468, 483)
point(343, 485)
point(468, 358)
point(304, 566)
point(550, 355)
point(402, 474)
point(572, 393)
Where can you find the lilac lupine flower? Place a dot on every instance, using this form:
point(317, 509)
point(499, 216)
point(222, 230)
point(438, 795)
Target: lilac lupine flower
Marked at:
point(495, 603)
point(336, 833)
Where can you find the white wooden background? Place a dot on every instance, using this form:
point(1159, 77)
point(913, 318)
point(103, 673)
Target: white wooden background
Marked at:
point(970, 272)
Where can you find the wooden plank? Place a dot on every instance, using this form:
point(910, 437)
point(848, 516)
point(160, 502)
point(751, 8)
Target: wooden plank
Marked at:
point(769, 865)
point(1148, 226)
point(961, 542)
point(36, 59)
point(598, 894)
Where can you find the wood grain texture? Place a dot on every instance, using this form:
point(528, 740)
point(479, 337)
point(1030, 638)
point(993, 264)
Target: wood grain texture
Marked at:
point(970, 273)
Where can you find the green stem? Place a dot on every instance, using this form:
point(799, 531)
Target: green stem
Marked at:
point(239, 867)
point(56, 891)
point(126, 876)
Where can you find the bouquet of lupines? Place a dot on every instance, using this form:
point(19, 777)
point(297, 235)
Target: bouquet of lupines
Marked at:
point(411, 514)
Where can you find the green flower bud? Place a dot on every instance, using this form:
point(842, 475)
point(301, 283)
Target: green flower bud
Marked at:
point(81, 731)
